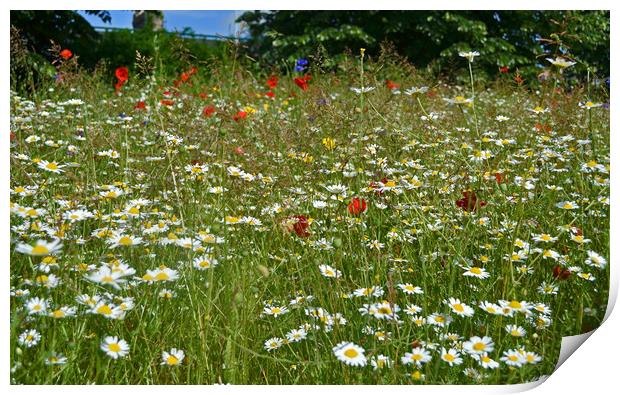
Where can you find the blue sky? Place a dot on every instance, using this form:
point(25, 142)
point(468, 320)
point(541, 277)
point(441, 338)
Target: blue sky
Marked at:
point(203, 22)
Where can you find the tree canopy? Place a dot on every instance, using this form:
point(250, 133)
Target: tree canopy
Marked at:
point(504, 38)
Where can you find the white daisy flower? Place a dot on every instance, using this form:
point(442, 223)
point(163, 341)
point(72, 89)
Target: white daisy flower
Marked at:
point(172, 358)
point(114, 347)
point(350, 353)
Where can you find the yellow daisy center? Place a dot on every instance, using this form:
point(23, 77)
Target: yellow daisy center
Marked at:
point(385, 310)
point(40, 250)
point(104, 309)
point(125, 240)
point(351, 353)
point(162, 276)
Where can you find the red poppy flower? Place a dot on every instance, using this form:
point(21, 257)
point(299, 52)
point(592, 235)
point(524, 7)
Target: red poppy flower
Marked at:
point(357, 206)
point(140, 106)
point(272, 81)
point(166, 102)
point(239, 115)
point(302, 82)
point(184, 77)
point(561, 273)
point(66, 54)
point(504, 69)
point(470, 201)
point(202, 95)
point(500, 178)
point(391, 84)
point(300, 225)
point(208, 111)
point(270, 94)
point(122, 73)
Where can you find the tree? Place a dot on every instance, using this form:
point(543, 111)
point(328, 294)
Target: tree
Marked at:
point(66, 28)
point(504, 38)
point(153, 20)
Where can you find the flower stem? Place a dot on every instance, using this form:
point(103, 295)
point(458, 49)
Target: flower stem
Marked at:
point(473, 102)
point(422, 107)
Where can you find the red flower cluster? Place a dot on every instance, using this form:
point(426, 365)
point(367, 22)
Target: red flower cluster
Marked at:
point(470, 201)
point(140, 106)
point(357, 206)
point(66, 54)
point(185, 76)
point(302, 82)
point(272, 81)
point(504, 69)
point(122, 75)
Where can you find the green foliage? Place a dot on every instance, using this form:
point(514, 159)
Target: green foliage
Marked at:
point(434, 38)
point(37, 31)
point(66, 28)
point(119, 48)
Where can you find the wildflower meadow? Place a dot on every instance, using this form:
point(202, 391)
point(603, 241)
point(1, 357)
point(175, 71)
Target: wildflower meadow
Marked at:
point(363, 224)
